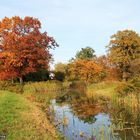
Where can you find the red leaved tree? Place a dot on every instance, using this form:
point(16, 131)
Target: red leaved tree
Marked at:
point(23, 47)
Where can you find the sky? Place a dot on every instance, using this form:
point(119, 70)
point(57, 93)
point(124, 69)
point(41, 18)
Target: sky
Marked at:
point(76, 24)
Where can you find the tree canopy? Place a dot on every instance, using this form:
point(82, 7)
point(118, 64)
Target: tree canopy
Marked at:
point(23, 47)
point(123, 48)
point(86, 53)
point(86, 70)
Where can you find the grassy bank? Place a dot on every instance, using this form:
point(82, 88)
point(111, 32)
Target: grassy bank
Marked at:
point(42, 92)
point(38, 92)
point(22, 120)
point(106, 89)
point(120, 94)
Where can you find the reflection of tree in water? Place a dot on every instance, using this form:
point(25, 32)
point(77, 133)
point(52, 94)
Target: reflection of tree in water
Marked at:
point(77, 90)
point(125, 122)
point(81, 106)
point(85, 109)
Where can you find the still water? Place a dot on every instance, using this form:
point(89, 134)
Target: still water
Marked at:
point(96, 126)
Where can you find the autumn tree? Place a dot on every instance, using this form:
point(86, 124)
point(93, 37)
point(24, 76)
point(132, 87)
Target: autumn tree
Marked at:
point(102, 60)
point(135, 68)
point(23, 47)
point(124, 47)
point(86, 53)
point(86, 70)
point(111, 72)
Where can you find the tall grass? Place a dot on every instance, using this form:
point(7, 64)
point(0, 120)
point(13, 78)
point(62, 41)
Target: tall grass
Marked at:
point(108, 89)
point(124, 102)
point(43, 92)
point(45, 87)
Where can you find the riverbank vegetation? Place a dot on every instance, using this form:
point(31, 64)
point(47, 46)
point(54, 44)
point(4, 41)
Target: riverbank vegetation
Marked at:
point(20, 119)
point(104, 83)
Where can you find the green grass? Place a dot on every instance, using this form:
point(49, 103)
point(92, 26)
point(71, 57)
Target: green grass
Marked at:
point(106, 89)
point(22, 120)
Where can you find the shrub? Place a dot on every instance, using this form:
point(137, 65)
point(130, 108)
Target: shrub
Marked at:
point(13, 87)
point(123, 89)
point(60, 76)
point(136, 82)
point(4, 85)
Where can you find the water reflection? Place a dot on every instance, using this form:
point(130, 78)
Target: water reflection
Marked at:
point(80, 118)
point(96, 127)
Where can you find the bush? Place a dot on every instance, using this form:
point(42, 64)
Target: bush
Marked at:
point(136, 82)
point(60, 76)
point(125, 88)
point(13, 87)
point(4, 85)
point(41, 75)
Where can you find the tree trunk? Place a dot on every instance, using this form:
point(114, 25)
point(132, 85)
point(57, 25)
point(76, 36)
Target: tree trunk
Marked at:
point(20, 80)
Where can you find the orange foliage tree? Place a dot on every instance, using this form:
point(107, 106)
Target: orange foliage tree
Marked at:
point(123, 51)
point(112, 72)
point(23, 47)
point(86, 70)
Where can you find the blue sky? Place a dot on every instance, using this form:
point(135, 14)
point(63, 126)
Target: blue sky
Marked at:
point(77, 23)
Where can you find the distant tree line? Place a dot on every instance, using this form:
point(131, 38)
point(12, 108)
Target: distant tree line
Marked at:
point(25, 55)
point(122, 62)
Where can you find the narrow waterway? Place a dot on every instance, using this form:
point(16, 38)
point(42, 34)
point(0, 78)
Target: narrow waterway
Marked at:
point(74, 125)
